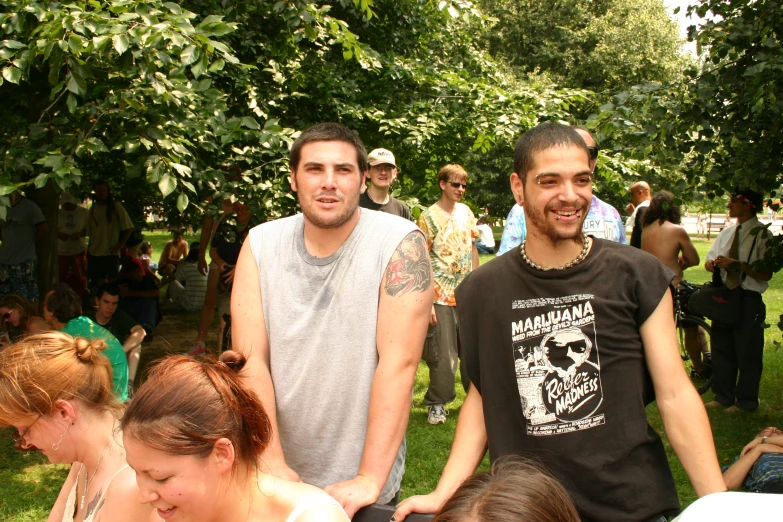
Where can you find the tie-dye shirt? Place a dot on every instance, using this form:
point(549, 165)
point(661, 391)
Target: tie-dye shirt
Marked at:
point(450, 240)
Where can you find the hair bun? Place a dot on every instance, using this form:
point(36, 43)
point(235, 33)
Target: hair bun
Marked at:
point(86, 349)
point(234, 360)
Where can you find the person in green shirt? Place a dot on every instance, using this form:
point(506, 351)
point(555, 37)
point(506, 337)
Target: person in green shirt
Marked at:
point(63, 311)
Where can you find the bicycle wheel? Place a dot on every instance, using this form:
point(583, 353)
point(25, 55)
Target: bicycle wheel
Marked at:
point(697, 330)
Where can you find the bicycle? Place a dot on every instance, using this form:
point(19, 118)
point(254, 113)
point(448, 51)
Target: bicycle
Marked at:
point(693, 330)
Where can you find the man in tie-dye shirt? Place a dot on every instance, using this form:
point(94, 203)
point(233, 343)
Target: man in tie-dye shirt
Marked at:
point(450, 229)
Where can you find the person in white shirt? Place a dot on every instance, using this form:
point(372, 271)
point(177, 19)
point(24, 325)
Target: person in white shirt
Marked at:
point(485, 244)
point(737, 351)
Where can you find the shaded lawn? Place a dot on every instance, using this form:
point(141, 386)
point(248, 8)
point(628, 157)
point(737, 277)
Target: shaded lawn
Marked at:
point(29, 486)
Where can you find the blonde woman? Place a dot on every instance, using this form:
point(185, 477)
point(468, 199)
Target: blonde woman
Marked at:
point(57, 392)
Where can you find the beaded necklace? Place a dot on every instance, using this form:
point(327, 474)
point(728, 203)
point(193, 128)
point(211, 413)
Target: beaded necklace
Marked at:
point(579, 258)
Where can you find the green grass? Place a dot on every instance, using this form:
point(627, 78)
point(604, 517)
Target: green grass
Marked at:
point(29, 486)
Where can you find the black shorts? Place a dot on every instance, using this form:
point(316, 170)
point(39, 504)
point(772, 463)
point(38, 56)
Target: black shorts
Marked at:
point(102, 267)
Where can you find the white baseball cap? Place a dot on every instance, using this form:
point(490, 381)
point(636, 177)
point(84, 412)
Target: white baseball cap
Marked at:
point(381, 156)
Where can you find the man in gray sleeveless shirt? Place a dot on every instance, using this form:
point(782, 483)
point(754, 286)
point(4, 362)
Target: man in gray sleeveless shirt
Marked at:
point(331, 307)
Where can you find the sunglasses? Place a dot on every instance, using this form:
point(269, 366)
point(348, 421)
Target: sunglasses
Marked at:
point(457, 184)
point(593, 151)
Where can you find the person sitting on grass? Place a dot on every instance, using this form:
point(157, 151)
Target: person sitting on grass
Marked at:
point(173, 252)
point(63, 311)
point(759, 468)
point(198, 460)
point(121, 325)
point(189, 286)
point(513, 490)
point(19, 314)
point(56, 391)
point(145, 255)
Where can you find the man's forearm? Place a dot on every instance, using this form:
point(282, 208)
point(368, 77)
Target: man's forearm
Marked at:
point(468, 448)
point(688, 430)
point(389, 409)
point(736, 474)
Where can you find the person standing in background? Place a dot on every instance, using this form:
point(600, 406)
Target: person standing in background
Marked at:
point(109, 227)
point(71, 248)
point(450, 229)
point(381, 175)
point(23, 226)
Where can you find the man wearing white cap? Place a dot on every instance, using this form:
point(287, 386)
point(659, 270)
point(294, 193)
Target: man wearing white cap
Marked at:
point(72, 257)
point(381, 174)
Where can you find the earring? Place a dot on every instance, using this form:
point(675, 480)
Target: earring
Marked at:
point(56, 445)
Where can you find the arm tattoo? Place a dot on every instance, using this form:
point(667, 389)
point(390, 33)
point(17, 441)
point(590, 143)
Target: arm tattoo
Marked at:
point(409, 269)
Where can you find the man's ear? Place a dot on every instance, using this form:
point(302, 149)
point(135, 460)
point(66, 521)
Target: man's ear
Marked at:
point(293, 180)
point(517, 188)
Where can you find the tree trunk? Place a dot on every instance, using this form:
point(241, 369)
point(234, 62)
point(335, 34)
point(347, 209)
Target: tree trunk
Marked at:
point(47, 198)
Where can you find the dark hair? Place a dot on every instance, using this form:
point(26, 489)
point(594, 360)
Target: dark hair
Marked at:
point(63, 302)
point(447, 171)
point(145, 248)
point(107, 288)
point(17, 302)
point(512, 490)
point(110, 207)
point(177, 232)
point(164, 415)
point(661, 209)
point(195, 250)
point(540, 138)
point(328, 132)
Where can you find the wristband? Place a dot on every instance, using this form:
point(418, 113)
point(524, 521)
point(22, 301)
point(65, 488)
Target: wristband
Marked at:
point(764, 439)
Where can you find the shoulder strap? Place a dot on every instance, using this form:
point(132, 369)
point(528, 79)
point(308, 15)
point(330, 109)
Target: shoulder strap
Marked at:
point(750, 253)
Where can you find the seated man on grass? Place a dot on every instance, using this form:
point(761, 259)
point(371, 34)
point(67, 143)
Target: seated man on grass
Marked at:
point(121, 325)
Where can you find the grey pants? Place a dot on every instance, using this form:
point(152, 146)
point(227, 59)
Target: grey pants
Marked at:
point(441, 353)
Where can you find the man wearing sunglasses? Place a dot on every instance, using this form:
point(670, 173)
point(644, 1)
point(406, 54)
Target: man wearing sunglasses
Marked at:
point(450, 229)
point(381, 175)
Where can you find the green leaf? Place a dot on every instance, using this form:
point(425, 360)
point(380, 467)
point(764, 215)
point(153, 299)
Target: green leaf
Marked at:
point(100, 42)
point(200, 66)
point(167, 184)
point(70, 101)
point(120, 42)
point(250, 123)
point(189, 55)
point(13, 44)
point(174, 8)
point(183, 170)
point(217, 65)
point(76, 84)
point(12, 74)
point(182, 202)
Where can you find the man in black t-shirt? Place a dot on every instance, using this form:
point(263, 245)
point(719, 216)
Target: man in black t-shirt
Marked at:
point(128, 332)
point(381, 174)
point(557, 336)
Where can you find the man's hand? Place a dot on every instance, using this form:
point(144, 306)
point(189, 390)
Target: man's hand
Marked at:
point(115, 250)
point(433, 317)
point(424, 504)
point(630, 208)
point(354, 494)
point(228, 275)
point(727, 263)
point(202, 266)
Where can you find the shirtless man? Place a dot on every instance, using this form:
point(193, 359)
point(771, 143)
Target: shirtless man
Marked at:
point(666, 239)
point(174, 251)
point(640, 200)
